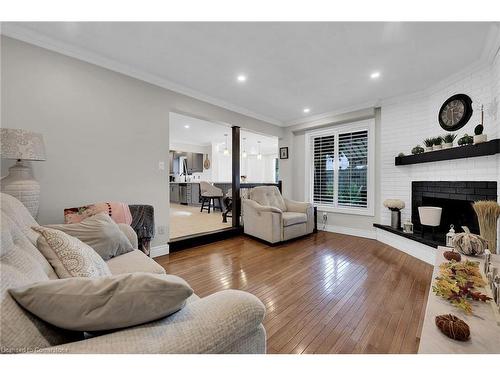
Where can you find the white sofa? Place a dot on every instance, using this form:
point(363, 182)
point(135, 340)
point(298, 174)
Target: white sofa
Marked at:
point(225, 322)
point(272, 218)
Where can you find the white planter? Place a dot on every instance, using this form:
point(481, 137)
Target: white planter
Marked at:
point(447, 145)
point(430, 216)
point(481, 138)
point(428, 148)
point(437, 147)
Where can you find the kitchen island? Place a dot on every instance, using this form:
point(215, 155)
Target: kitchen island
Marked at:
point(188, 193)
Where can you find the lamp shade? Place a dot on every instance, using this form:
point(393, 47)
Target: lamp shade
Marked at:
point(22, 144)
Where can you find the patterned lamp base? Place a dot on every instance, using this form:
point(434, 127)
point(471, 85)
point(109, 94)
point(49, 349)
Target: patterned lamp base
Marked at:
point(21, 185)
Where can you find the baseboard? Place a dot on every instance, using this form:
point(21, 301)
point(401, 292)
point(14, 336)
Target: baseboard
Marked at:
point(358, 232)
point(160, 250)
point(413, 248)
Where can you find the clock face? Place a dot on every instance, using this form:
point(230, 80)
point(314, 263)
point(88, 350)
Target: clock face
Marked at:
point(455, 112)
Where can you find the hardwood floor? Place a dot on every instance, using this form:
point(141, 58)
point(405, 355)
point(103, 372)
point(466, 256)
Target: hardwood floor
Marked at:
point(325, 293)
point(187, 220)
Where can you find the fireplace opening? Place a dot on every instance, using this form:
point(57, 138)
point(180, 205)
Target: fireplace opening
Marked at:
point(457, 212)
point(456, 199)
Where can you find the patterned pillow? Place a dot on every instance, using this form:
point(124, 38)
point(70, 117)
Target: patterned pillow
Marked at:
point(118, 211)
point(69, 256)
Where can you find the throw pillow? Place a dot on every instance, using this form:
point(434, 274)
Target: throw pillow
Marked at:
point(69, 256)
point(119, 212)
point(83, 304)
point(101, 233)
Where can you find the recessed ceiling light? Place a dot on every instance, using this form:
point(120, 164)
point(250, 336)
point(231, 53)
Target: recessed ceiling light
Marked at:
point(186, 126)
point(242, 78)
point(306, 110)
point(375, 75)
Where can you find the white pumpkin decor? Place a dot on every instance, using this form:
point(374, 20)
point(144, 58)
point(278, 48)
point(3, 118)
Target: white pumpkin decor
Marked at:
point(468, 243)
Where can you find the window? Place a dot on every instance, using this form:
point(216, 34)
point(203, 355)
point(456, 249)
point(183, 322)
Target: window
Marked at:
point(323, 158)
point(353, 169)
point(341, 168)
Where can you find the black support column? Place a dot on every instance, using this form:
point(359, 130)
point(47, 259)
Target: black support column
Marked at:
point(236, 176)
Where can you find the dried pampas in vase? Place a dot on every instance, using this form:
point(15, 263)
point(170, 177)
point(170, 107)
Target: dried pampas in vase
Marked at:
point(487, 214)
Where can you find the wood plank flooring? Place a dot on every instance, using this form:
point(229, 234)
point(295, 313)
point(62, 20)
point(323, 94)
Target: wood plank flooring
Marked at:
point(325, 293)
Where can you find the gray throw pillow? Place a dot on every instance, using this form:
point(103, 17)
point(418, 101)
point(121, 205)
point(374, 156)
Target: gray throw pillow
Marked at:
point(105, 303)
point(101, 233)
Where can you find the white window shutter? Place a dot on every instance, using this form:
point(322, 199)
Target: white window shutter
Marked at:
point(323, 149)
point(353, 169)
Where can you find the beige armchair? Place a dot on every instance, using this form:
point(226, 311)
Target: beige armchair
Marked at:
point(270, 217)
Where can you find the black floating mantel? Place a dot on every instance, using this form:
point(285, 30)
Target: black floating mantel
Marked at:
point(458, 152)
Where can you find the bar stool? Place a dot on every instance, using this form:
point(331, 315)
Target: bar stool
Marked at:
point(209, 194)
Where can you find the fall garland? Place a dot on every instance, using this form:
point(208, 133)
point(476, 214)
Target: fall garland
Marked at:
point(456, 283)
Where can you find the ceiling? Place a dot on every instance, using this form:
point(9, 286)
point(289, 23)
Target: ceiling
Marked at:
point(204, 133)
point(289, 66)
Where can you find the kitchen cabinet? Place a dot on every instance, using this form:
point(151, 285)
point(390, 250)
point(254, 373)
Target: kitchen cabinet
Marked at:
point(194, 162)
point(171, 162)
point(194, 192)
point(185, 193)
point(174, 193)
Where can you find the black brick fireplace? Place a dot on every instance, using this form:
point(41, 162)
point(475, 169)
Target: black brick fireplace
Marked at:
point(456, 198)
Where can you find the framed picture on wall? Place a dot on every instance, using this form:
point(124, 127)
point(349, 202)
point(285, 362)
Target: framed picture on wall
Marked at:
point(283, 152)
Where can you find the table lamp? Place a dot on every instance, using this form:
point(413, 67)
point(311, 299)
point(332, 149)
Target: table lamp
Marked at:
point(22, 145)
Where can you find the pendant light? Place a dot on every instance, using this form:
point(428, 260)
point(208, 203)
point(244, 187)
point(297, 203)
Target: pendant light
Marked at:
point(244, 153)
point(259, 155)
point(226, 151)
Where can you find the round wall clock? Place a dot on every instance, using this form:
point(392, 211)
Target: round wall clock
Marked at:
point(455, 112)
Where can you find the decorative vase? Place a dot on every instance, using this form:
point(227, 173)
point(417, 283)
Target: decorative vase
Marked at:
point(437, 147)
point(430, 216)
point(428, 148)
point(447, 145)
point(21, 185)
point(396, 219)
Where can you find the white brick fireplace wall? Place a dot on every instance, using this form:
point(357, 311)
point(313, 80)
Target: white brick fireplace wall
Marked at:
point(407, 121)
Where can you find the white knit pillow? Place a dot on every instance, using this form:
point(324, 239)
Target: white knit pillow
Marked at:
point(69, 256)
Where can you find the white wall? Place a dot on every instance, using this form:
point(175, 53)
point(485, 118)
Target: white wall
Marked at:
point(104, 132)
point(258, 170)
point(401, 123)
point(406, 121)
point(255, 170)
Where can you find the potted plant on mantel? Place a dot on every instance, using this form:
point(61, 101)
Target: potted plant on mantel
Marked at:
point(429, 142)
point(479, 137)
point(417, 150)
point(437, 143)
point(448, 140)
point(465, 140)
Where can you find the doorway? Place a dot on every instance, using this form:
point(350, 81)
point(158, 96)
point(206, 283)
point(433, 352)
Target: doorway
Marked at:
point(201, 157)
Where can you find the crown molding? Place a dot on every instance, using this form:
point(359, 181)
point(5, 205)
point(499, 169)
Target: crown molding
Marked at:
point(489, 53)
point(328, 116)
point(439, 86)
point(31, 37)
